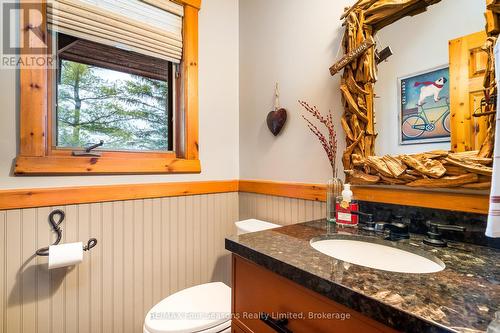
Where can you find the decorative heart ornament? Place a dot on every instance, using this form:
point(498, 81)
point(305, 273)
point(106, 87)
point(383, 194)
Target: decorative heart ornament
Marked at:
point(276, 120)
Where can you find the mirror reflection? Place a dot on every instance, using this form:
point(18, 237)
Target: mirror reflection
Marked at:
point(429, 89)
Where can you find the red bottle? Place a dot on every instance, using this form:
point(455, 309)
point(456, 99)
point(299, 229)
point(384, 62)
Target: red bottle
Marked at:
point(344, 207)
point(344, 215)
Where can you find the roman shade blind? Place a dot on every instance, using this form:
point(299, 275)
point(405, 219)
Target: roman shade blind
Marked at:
point(150, 27)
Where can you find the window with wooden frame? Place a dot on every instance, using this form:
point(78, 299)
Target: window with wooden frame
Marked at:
point(126, 77)
point(119, 98)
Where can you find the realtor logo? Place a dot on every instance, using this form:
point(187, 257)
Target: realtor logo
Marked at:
point(23, 36)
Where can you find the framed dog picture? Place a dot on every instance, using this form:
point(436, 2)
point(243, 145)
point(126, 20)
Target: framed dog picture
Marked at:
point(424, 107)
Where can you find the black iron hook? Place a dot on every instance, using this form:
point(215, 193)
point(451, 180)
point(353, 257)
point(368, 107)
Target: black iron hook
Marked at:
point(55, 226)
point(90, 244)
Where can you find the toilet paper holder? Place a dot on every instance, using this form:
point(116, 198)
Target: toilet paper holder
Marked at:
point(44, 251)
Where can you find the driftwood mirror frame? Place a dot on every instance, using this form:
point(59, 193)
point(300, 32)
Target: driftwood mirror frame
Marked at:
point(434, 169)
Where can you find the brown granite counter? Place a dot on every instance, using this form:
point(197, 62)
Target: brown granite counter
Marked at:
point(461, 298)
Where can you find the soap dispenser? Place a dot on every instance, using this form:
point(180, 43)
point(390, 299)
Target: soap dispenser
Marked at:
point(345, 206)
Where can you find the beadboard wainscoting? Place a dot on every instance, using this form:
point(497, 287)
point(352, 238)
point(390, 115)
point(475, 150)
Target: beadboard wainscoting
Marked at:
point(147, 249)
point(279, 210)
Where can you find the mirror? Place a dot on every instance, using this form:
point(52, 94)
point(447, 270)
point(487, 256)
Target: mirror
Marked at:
point(413, 109)
point(426, 116)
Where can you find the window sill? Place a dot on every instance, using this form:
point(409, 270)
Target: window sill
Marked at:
point(57, 165)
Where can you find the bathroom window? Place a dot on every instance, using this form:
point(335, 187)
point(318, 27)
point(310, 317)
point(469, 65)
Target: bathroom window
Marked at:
point(121, 98)
point(125, 83)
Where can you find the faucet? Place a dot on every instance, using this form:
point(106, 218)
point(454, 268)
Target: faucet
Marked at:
point(434, 236)
point(368, 224)
point(397, 230)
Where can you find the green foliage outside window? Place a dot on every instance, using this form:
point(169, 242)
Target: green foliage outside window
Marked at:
point(128, 112)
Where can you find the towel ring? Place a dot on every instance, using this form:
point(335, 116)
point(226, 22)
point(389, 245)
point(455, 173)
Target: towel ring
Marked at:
point(44, 251)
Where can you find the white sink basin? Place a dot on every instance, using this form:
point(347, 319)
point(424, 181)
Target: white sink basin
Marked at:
point(378, 256)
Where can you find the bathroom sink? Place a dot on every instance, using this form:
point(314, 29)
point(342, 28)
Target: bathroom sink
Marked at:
point(371, 253)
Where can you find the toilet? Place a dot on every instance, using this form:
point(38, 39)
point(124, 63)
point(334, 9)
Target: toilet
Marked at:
point(205, 308)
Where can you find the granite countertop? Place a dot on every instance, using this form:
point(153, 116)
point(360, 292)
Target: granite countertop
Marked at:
point(461, 298)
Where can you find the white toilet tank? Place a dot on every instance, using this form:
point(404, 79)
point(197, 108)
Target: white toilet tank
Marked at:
point(253, 225)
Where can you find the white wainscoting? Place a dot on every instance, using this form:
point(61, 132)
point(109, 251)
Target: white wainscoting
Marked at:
point(279, 210)
point(147, 249)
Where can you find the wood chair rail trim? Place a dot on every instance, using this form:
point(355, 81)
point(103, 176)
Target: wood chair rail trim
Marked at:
point(40, 197)
point(57, 196)
point(464, 202)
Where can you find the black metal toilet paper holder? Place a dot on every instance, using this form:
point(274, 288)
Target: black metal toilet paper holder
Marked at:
point(44, 251)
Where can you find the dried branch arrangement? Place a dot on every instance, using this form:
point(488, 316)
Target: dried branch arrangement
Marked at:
point(329, 143)
point(432, 169)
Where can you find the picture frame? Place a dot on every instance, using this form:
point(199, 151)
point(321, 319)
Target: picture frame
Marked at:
point(424, 107)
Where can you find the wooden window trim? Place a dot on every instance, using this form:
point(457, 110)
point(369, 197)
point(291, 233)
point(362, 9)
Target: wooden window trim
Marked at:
point(36, 156)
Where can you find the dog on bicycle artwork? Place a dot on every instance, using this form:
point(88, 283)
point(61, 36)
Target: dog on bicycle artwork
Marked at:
point(430, 89)
point(424, 106)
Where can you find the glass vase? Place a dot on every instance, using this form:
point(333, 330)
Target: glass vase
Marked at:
point(333, 190)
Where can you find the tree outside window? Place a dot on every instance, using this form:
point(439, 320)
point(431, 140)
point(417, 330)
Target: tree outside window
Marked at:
point(126, 111)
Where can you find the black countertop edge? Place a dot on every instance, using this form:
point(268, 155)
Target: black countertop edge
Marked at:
point(368, 306)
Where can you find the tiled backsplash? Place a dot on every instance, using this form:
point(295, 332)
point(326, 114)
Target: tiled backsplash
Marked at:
point(475, 224)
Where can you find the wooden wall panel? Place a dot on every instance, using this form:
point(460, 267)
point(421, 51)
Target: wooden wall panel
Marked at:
point(467, 66)
point(148, 249)
point(279, 210)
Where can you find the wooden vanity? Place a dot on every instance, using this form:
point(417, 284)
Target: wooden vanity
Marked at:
point(257, 290)
point(279, 273)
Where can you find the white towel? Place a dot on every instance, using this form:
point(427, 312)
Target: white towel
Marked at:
point(493, 227)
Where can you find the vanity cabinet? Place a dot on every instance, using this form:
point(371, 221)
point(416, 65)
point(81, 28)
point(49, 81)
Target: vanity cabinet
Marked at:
point(257, 290)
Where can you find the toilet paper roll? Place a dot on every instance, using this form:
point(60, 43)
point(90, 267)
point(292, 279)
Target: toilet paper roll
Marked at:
point(65, 255)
